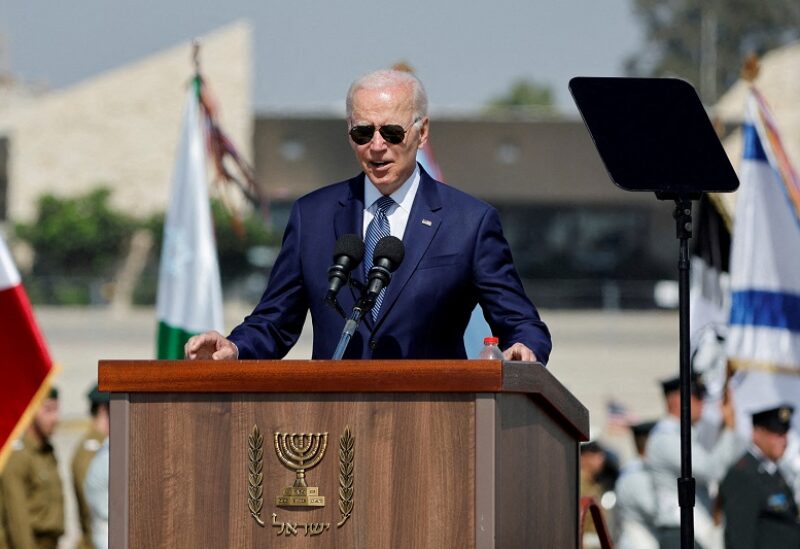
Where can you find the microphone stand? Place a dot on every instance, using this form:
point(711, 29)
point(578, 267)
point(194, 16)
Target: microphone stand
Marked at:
point(363, 306)
point(388, 255)
point(348, 331)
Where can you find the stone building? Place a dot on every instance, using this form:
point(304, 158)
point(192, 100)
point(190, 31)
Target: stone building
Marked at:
point(120, 129)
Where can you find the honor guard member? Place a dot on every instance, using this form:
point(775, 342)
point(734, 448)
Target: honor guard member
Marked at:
point(636, 505)
point(663, 459)
point(759, 506)
point(96, 489)
point(32, 494)
point(85, 452)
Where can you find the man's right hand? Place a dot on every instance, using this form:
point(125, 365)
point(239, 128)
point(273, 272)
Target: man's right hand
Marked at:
point(210, 345)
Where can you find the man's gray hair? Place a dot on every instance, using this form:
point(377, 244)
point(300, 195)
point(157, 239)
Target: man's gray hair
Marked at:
point(389, 78)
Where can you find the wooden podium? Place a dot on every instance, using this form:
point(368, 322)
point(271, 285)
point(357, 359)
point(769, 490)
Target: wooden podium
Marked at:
point(349, 454)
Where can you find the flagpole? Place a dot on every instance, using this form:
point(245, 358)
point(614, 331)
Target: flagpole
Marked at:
point(196, 57)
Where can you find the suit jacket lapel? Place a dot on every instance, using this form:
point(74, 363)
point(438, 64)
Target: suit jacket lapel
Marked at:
point(349, 219)
point(350, 215)
point(423, 223)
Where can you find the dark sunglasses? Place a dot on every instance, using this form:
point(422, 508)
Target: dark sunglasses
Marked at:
point(391, 133)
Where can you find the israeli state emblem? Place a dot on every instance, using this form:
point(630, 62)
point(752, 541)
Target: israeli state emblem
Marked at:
point(300, 452)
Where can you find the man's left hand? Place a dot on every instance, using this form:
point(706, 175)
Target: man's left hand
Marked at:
point(518, 351)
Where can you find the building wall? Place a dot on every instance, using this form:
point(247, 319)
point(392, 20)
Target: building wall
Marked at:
point(543, 161)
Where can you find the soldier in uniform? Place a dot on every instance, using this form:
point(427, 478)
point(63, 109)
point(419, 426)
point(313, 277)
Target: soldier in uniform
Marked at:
point(759, 507)
point(85, 452)
point(31, 487)
point(3, 536)
point(636, 506)
point(663, 460)
point(598, 472)
point(96, 489)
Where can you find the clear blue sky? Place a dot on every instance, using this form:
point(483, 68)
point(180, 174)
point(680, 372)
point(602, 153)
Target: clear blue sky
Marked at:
point(307, 52)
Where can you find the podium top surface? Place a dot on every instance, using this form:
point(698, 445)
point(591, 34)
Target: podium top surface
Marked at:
point(313, 376)
point(344, 376)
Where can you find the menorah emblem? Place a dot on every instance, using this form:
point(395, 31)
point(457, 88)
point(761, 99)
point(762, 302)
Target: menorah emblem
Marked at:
point(300, 452)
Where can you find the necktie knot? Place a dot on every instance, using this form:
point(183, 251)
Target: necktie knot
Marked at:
point(384, 203)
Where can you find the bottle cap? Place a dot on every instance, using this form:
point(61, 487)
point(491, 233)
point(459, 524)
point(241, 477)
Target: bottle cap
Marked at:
point(491, 340)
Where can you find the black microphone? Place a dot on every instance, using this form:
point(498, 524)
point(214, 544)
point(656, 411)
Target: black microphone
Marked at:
point(347, 254)
point(388, 255)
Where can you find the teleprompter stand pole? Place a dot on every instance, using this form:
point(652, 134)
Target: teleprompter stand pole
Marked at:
point(686, 483)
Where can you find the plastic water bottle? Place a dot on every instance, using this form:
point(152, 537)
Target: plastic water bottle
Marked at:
point(490, 349)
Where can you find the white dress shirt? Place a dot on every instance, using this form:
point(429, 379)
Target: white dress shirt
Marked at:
point(398, 214)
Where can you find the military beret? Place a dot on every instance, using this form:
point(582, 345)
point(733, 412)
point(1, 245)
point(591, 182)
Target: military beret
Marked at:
point(96, 396)
point(776, 420)
point(591, 447)
point(642, 429)
point(697, 387)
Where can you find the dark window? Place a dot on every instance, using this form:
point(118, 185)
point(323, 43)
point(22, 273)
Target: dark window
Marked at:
point(586, 255)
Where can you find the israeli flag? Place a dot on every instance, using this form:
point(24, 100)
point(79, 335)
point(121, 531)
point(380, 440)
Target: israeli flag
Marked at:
point(765, 253)
point(763, 344)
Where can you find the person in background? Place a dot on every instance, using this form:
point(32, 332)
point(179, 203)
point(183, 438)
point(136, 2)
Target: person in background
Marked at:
point(635, 507)
point(757, 503)
point(663, 459)
point(598, 471)
point(455, 253)
point(85, 452)
point(96, 489)
point(3, 535)
point(593, 459)
point(31, 486)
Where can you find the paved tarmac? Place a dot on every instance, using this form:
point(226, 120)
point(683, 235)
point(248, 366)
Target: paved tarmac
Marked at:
point(597, 355)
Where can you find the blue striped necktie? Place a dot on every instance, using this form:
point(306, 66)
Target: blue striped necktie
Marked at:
point(377, 229)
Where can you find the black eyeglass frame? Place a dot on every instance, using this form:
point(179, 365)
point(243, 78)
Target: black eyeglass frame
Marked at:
point(393, 134)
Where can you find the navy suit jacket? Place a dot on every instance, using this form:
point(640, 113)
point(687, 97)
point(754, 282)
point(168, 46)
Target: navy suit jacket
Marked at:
point(455, 256)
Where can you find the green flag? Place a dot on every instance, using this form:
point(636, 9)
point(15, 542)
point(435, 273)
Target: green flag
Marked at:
point(189, 299)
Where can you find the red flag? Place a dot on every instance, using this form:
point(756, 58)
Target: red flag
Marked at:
point(25, 365)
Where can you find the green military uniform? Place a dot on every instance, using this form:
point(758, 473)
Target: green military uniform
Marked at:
point(3, 537)
point(33, 497)
point(84, 454)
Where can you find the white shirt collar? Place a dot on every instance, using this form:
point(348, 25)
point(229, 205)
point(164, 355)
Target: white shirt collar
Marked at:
point(764, 462)
point(404, 195)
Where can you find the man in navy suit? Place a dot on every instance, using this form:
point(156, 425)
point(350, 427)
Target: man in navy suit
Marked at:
point(455, 253)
